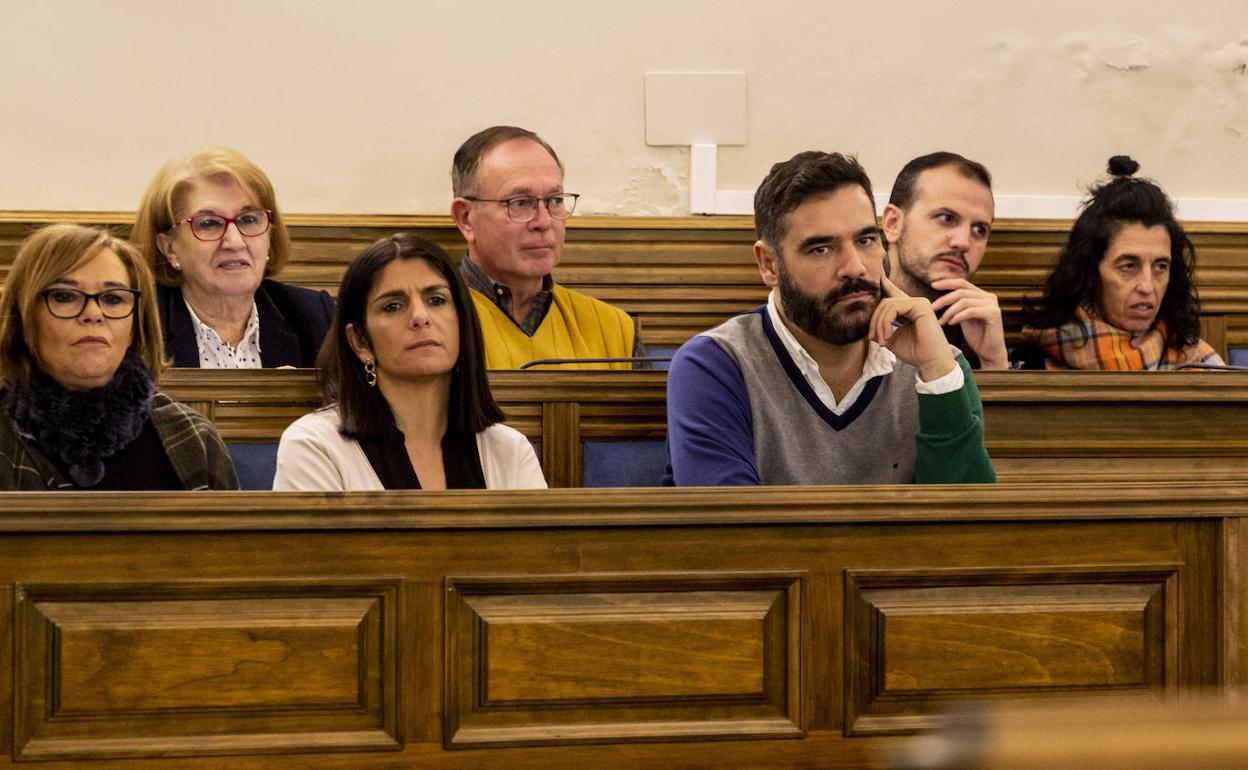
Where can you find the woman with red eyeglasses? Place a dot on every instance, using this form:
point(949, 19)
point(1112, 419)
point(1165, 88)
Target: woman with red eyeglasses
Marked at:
point(210, 228)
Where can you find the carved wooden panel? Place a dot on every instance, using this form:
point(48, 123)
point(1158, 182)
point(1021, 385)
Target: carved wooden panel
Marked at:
point(662, 581)
point(204, 668)
point(591, 658)
point(916, 638)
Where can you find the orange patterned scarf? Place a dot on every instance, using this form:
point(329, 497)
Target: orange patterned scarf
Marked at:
point(1087, 342)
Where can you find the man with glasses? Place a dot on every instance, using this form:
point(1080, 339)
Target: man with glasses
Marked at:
point(511, 208)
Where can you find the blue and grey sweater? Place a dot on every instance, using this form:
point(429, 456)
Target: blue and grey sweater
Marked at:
point(739, 412)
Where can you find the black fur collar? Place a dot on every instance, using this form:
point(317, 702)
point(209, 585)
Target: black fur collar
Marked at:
point(83, 427)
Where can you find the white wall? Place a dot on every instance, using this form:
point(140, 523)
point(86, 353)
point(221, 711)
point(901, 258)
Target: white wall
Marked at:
point(358, 105)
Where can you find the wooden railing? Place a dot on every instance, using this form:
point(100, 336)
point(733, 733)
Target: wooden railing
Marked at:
point(781, 627)
point(680, 276)
point(1061, 426)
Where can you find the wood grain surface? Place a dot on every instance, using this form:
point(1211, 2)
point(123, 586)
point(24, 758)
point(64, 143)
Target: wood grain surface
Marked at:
point(794, 627)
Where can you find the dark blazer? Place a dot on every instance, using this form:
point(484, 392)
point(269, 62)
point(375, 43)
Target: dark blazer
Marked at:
point(293, 323)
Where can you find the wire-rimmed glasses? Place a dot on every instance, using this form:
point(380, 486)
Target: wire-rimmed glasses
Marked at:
point(523, 208)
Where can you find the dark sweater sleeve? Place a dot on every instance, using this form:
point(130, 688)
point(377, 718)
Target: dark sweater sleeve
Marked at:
point(949, 447)
point(710, 431)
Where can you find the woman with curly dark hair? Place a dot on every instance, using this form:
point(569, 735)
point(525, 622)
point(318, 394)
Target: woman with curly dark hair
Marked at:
point(1121, 296)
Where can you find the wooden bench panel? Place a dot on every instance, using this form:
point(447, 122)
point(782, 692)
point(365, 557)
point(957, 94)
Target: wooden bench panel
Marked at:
point(554, 660)
point(1051, 425)
point(733, 616)
point(920, 638)
point(203, 668)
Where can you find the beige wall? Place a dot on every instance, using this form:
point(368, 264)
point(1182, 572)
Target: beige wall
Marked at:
point(357, 106)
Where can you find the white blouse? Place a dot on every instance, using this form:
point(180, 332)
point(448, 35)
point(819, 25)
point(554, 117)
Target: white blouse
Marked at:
point(313, 456)
point(214, 353)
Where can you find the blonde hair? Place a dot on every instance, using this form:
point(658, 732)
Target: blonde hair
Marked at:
point(51, 253)
point(162, 204)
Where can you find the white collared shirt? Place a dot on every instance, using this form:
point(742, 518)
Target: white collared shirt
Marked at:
point(214, 353)
point(880, 361)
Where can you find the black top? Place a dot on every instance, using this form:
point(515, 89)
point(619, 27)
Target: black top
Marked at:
point(293, 324)
point(141, 465)
point(956, 338)
point(460, 458)
point(1028, 355)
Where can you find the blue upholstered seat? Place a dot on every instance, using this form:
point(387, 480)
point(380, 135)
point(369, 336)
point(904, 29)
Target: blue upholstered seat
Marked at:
point(255, 464)
point(604, 464)
point(623, 463)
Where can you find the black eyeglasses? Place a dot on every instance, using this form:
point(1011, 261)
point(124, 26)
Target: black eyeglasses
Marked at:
point(69, 303)
point(523, 208)
point(211, 227)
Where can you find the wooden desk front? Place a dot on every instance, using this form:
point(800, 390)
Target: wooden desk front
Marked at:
point(1040, 425)
point(634, 628)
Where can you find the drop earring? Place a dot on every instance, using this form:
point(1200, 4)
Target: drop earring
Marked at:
point(370, 373)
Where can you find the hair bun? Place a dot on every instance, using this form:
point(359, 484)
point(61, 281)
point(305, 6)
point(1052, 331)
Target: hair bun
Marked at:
point(1123, 165)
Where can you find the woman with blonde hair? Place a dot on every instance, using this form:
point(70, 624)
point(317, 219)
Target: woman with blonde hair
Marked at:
point(80, 356)
point(210, 227)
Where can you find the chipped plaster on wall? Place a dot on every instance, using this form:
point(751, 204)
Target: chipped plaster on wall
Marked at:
point(1176, 97)
point(651, 189)
point(1127, 54)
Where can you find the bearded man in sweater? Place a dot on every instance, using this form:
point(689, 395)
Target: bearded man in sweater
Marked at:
point(840, 377)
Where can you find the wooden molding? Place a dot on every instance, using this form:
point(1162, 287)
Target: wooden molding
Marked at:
point(1192, 498)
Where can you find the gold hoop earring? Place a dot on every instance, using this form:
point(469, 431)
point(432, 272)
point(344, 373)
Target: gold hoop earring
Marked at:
point(370, 373)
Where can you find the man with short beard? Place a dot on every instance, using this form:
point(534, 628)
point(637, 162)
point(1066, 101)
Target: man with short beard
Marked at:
point(840, 377)
point(937, 222)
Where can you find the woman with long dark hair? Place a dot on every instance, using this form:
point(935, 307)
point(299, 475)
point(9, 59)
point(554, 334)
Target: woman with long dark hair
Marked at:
point(403, 373)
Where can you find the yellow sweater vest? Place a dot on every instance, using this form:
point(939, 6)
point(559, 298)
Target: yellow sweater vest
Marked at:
point(576, 326)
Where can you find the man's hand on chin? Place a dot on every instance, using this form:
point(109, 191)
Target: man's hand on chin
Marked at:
point(979, 314)
point(908, 326)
